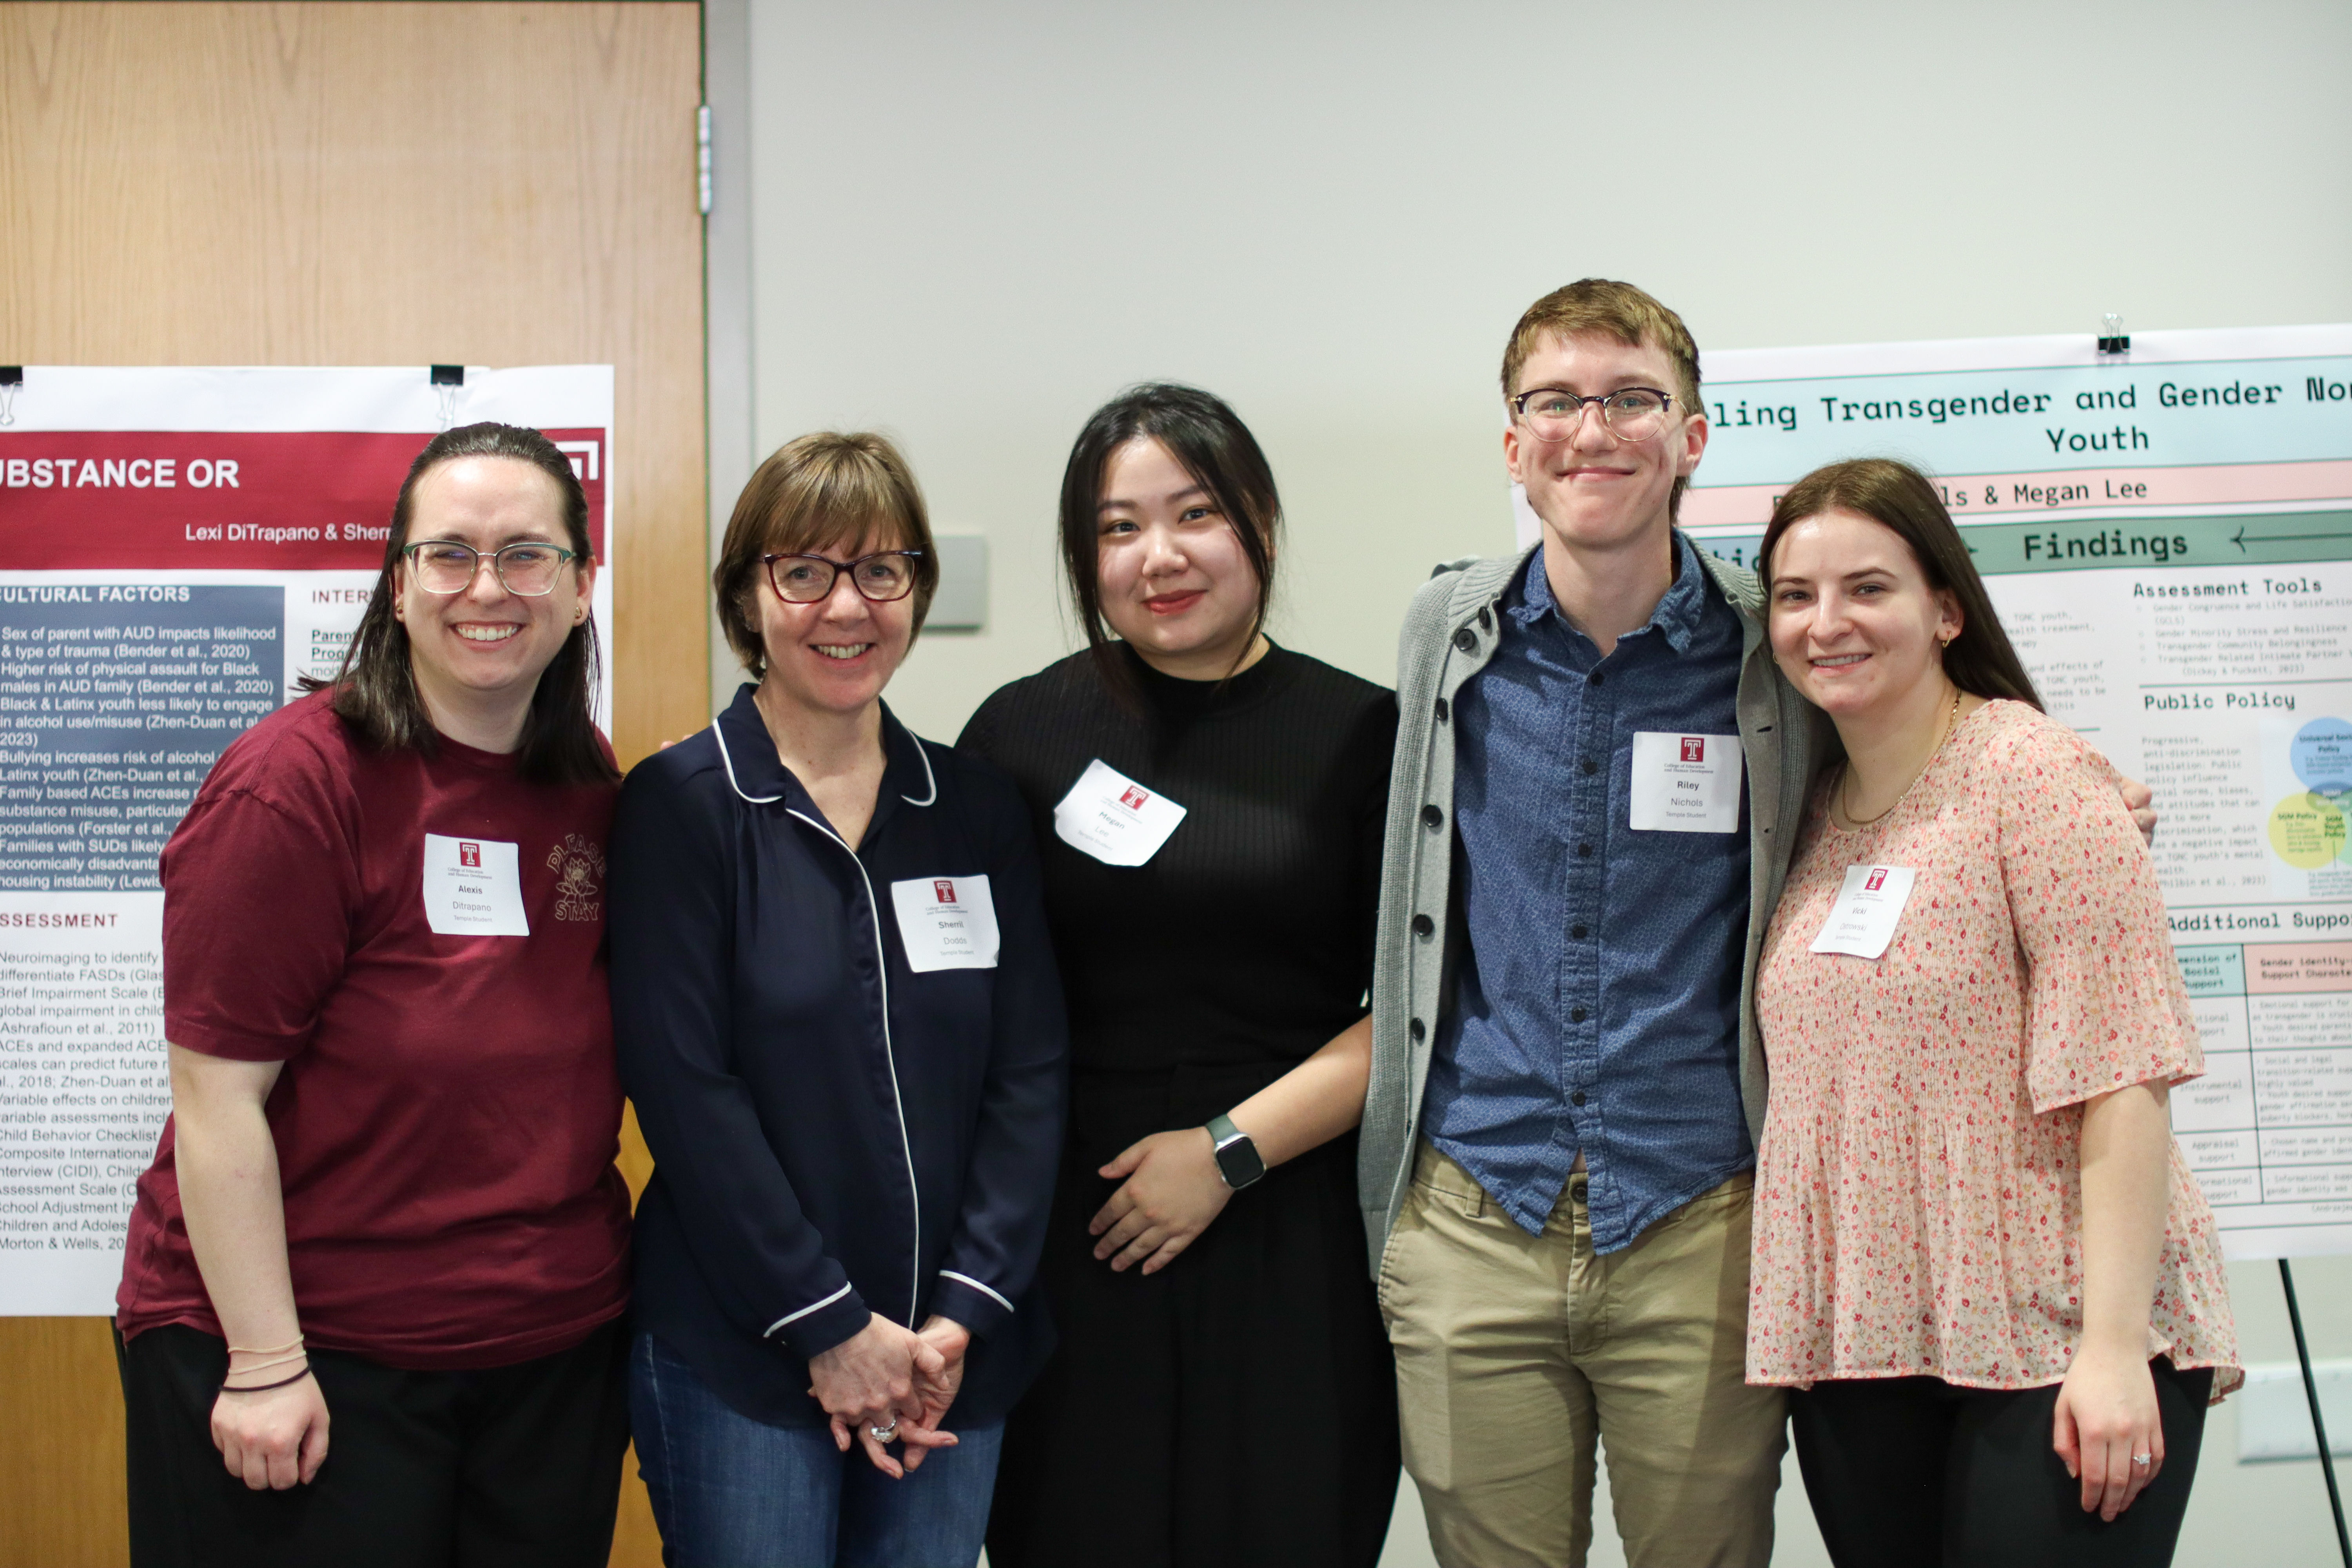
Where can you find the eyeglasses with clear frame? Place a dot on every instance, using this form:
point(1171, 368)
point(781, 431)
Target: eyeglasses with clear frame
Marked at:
point(1628, 413)
point(879, 578)
point(527, 568)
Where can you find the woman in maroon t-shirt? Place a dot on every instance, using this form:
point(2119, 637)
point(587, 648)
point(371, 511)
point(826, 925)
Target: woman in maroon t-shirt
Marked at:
point(371, 1304)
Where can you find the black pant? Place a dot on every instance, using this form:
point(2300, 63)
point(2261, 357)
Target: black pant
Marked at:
point(516, 1467)
point(1911, 1471)
point(1238, 1408)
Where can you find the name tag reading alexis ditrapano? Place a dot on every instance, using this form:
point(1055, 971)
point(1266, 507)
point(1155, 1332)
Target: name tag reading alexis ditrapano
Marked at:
point(473, 887)
point(1862, 921)
point(1114, 819)
point(947, 922)
point(1684, 783)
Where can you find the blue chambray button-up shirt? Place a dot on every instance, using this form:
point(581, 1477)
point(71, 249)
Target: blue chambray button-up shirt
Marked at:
point(1599, 1002)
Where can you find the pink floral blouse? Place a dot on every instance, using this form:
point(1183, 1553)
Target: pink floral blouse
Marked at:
point(1919, 1201)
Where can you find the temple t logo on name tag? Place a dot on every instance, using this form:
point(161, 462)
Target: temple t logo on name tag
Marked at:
point(946, 922)
point(1869, 906)
point(473, 887)
point(1684, 783)
point(1113, 818)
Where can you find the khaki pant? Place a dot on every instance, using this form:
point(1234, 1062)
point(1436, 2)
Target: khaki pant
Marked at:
point(1516, 1353)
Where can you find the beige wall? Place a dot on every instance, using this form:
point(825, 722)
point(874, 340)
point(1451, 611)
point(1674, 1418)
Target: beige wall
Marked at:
point(970, 225)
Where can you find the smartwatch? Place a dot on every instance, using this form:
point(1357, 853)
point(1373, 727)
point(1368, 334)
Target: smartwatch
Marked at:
point(1237, 1157)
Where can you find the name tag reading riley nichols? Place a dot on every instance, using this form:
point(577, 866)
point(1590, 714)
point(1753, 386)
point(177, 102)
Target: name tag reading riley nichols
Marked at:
point(1862, 921)
point(946, 922)
point(473, 887)
point(1113, 818)
point(1684, 783)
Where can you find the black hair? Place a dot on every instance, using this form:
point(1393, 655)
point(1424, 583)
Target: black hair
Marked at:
point(1207, 438)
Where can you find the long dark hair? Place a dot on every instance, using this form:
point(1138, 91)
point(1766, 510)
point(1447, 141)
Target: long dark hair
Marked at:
point(1215, 447)
point(1900, 497)
point(375, 689)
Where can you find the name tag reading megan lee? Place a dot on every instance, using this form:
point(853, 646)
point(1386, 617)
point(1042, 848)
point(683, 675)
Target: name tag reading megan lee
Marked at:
point(946, 922)
point(1684, 783)
point(473, 887)
point(1113, 818)
point(1862, 921)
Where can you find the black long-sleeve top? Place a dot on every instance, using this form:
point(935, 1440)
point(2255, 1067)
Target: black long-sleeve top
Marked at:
point(836, 1131)
point(1244, 943)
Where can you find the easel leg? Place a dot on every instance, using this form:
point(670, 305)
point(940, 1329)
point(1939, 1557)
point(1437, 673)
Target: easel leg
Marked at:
point(2319, 1427)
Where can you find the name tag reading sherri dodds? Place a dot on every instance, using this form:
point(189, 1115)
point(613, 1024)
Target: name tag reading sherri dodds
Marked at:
point(1685, 784)
point(1113, 818)
point(946, 922)
point(473, 887)
point(1862, 921)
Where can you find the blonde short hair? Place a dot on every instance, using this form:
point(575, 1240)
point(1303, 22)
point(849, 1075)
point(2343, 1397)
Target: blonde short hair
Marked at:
point(1618, 311)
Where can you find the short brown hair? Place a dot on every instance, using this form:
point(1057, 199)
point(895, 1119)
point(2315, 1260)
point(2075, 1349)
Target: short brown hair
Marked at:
point(1900, 498)
point(1618, 311)
point(812, 494)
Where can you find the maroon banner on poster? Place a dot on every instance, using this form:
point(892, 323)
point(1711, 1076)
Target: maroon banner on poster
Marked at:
point(181, 499)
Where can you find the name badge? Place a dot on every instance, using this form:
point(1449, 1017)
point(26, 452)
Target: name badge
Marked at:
point(946, 922)
point(1113, 818)
point(1862, 921)
point(1685, 784)
point(473, 887)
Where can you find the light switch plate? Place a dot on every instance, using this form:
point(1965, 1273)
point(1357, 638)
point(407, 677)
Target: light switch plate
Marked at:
point(962, 602)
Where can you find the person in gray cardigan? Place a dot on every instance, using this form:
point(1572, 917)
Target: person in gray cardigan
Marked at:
point(1600, 772)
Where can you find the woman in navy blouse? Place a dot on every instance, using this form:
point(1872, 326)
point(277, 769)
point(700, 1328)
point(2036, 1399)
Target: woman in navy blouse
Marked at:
point(837, 1012)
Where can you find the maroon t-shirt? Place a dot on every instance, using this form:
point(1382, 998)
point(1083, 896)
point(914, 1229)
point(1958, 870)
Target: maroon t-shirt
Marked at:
point(448, 1112)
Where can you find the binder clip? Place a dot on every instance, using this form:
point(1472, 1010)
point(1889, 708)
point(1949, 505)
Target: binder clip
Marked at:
point(2114, 342)
point(12, 376)
point(448, 380)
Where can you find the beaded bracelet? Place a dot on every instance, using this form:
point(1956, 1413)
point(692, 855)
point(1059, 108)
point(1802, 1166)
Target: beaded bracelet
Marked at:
point(266, 1387)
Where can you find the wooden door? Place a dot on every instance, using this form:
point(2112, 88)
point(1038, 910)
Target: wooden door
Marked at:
point(364, 185)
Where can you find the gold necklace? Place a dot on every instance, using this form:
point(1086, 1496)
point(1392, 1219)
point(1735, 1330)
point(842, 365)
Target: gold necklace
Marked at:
point(1845, 784)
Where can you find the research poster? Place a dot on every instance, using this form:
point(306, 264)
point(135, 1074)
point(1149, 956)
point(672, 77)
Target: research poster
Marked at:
point(2168, 535)
point(178, 547)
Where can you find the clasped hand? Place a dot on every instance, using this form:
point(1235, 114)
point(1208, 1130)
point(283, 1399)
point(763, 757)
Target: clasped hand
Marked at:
point(1171, 1193)
point(884, 1376)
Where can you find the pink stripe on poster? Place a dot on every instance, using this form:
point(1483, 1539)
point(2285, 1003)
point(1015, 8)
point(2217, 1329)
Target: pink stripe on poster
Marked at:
point(2275, 967)
point(1975, 495)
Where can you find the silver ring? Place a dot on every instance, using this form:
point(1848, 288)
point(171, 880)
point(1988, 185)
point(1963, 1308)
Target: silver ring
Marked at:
point(2142, 1459)
point(883, 1433)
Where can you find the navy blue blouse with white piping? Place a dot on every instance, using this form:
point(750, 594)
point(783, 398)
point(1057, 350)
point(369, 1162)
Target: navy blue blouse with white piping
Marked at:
point(835, 1131)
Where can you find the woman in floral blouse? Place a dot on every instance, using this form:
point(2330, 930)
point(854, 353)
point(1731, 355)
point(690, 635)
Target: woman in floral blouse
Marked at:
point(1981, 1262)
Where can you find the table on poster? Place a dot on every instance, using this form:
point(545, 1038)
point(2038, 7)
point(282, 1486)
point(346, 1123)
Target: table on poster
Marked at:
point(2167, 536)
point(179, 548)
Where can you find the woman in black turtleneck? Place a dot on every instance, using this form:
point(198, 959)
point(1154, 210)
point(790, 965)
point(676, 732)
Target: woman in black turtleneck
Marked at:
point(1223, 1393)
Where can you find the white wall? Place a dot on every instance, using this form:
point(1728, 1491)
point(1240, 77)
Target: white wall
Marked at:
point(970, 225)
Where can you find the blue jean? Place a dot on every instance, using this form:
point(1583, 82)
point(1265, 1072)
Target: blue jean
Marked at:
point(732, 1492)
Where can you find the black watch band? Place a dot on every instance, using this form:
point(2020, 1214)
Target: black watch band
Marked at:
point(1237, 1157)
